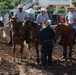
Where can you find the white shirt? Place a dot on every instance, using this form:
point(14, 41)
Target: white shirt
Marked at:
point(71, 16)
point(21, 16)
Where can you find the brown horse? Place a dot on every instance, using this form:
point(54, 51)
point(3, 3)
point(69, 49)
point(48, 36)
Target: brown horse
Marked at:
point(67, 37)
point(17, 36)
point(34, 29)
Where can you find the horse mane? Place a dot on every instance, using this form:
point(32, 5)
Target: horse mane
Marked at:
point(64, 29)
point(34, 24)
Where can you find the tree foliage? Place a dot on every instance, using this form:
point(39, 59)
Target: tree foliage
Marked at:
point(9, 4)
point(74, 2)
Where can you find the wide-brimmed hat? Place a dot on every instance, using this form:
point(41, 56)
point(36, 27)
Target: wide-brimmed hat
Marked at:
point(43, 9)
point(47, 22)
point(20, 6)
point(72, 6)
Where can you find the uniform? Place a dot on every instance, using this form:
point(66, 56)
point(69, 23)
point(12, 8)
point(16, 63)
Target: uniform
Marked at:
point(46, 37)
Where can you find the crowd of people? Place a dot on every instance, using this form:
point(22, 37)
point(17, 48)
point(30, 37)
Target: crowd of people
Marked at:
point(46, 34)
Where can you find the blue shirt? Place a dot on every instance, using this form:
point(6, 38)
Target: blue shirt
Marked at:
point(46, 34)
point(41, 18)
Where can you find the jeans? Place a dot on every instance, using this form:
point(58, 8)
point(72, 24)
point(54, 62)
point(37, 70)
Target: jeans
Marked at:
point(47, 52)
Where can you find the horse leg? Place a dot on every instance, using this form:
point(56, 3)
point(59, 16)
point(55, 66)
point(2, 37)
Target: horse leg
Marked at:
point(37, 52)
point(65, 53)
point(29, 50)
point(41, 54)
point(13, 52)
point(21, 50)
point(70, 55)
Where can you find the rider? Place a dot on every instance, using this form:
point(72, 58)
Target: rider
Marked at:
point(42, 16)
point(71, 15)
point(46, 37)
point(21, 16)
point(69, 19)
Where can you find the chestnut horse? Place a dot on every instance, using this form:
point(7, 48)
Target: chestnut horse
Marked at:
point(17, 36)
point(34, 29)
point(67, 36)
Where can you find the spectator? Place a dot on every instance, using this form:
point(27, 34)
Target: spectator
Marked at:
point(46, 37)
point(70, 19)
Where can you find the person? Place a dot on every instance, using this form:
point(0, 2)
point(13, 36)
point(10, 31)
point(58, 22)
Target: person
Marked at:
point(69, 19)
point(46, 37)
point(42, 16)
point(21, 16)
point(1, 22)
point(71, 14)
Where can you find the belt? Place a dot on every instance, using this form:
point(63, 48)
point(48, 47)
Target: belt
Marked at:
point(47, 40)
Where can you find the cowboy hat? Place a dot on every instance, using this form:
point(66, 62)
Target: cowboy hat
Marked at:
point(72, 6)
point(20, 6)
point(47, 22)
point(43, 9)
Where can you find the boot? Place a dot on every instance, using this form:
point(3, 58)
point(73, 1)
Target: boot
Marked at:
point(9, 43)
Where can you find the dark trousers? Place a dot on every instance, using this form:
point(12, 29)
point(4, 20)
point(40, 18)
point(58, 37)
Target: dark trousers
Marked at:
point(47, 52)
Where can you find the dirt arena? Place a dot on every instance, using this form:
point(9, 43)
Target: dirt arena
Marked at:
point(28, 65)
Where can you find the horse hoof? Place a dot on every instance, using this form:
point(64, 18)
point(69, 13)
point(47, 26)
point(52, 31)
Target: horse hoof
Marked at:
point(65, 64)
point(37, 63)
point(70, 64)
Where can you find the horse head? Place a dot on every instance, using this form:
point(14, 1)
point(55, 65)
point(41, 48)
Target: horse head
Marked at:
point(13, 21)
point(26, 25)
point(58, 29)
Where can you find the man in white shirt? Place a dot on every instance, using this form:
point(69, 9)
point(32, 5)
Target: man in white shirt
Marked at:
point(21, 16)
point(70, 19)
point(71, 15)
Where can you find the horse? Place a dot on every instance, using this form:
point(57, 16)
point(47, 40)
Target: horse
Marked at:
point(67, 37)
point(34, 29)
point(17, 36)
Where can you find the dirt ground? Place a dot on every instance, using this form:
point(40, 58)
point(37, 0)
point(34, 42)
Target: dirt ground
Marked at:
point(28, 65)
